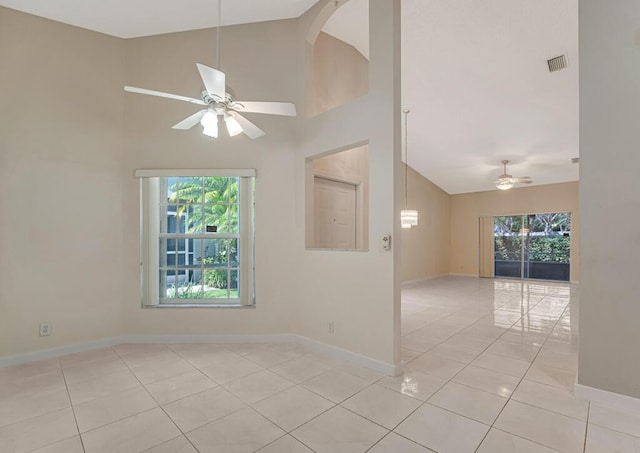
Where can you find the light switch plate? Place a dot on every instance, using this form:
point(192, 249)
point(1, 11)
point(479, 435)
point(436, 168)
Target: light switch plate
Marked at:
point(386, 242)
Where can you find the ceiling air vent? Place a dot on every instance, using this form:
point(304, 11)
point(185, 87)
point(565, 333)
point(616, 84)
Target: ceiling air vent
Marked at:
point(557, 63)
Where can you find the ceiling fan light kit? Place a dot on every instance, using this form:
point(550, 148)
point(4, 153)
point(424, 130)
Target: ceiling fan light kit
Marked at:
point(233, 127)
point(505, 181)
point(504, 185)
point(209, 124)
point(219, 103)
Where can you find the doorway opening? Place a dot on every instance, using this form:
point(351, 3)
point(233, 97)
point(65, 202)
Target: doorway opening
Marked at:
point(337, 200)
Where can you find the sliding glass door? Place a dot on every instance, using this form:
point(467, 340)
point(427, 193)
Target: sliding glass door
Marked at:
point(536, 246)
point(508, 240)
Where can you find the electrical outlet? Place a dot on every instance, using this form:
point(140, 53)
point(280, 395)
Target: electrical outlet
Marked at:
point(45, 329)
point(331, 328)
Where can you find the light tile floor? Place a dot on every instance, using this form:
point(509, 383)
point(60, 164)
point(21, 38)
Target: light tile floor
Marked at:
point(489, 368)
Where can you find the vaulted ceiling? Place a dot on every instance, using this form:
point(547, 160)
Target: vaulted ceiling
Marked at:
point(475, 76)
point(474, 73)
point(135, 18)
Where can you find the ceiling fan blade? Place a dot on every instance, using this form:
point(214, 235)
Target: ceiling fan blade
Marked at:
point(523, 180)
point(163, 95)
point(190, 121)
point(214, 81)
point(270, 108)
point(251, 130)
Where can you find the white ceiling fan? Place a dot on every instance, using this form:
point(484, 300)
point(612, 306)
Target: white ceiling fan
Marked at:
point(221, 104)
point(505, 181)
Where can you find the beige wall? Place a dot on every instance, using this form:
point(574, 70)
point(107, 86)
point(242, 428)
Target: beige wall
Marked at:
point(609, 195)
point(61, 193)
point(425, 248)
point(340, 74)
point(466, 209)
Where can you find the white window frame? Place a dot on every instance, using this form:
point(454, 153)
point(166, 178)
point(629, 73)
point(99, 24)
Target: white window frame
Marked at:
point(150, 236)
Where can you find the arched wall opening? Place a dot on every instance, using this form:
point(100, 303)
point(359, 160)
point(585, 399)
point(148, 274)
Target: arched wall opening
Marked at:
point(356, 293)
point(338, 56)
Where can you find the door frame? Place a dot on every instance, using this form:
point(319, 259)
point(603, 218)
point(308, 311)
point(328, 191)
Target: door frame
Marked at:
point(486, 265)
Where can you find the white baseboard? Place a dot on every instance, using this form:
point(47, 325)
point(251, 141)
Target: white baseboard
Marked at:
point(179, 339)
point(409, 283)
point(52, 353)
point(606, 398)
point(333, 351)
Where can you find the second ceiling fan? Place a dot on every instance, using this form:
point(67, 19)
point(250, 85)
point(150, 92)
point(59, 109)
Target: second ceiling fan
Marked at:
point(505, 181)
point(219, 103)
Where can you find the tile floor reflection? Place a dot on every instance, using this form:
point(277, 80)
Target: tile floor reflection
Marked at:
point(489, 368)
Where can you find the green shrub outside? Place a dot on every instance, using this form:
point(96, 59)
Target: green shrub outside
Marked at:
point(544, 249)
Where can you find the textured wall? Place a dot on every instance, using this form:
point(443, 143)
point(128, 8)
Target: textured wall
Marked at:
point(60, 183)
point(609, 195)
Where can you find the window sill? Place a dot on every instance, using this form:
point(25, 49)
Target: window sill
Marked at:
point(234, 306)
point(327, 249)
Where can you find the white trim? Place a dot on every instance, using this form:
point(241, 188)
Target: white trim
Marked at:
point(51, 353)
point(164, 173)
point(168, 339)
point(333, 351)
point(465, 275)
point(179, 339)
point(410, 283)
point(606, 398)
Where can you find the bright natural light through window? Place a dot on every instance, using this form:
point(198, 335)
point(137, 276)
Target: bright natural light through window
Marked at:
point(197, 237)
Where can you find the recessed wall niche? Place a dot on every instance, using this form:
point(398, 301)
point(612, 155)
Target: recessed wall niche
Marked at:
point(337, 200)
point(339, 59)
